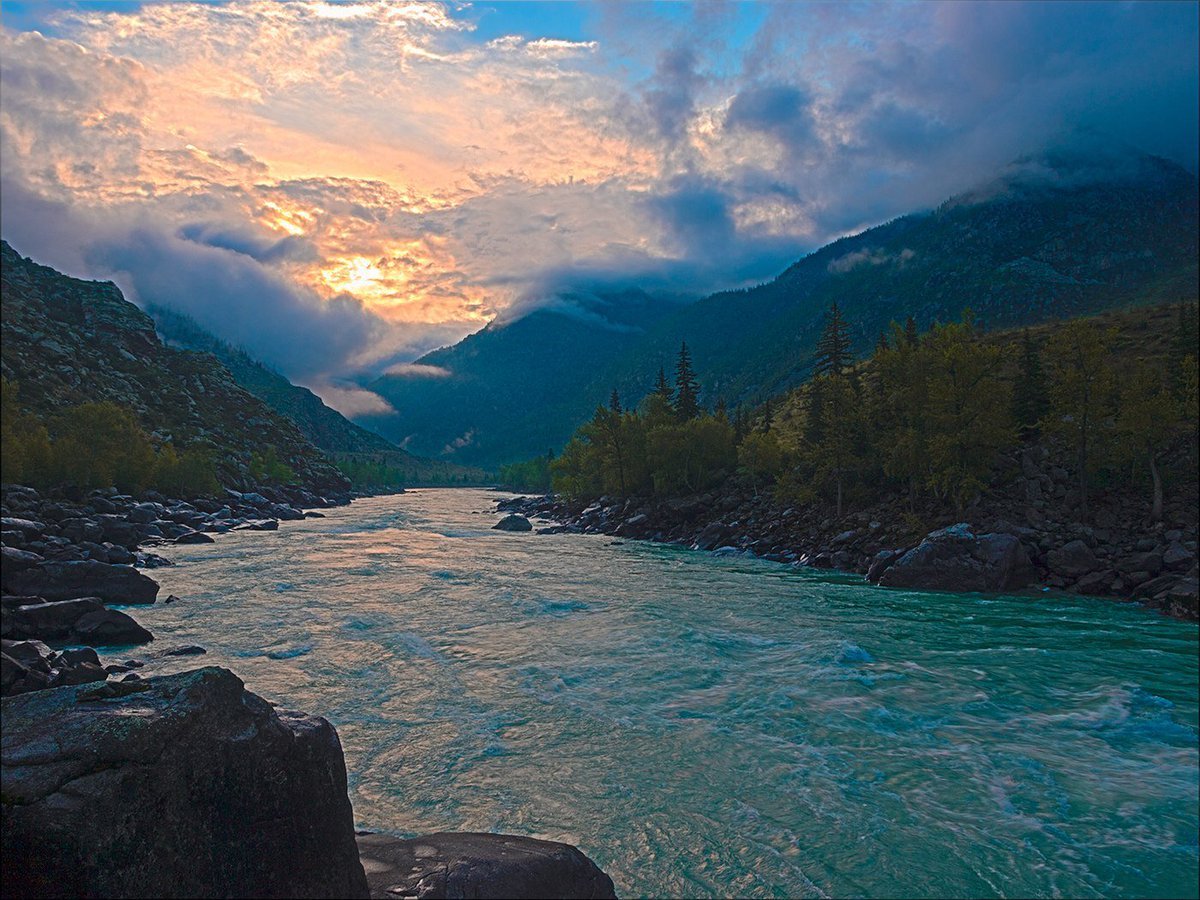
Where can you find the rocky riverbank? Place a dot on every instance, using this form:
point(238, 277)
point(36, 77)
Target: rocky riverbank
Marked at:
point(119, 784)
point(1020, 538)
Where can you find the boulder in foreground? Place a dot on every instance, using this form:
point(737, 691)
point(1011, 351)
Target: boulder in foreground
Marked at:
point(481, 866)
point(83, 578)
point(514, 522)
point(182, 785)
point(957, 559)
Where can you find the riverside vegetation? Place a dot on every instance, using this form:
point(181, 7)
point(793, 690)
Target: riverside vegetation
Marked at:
point(1079, 438)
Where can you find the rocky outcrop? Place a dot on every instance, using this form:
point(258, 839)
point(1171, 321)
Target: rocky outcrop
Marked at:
point(183, 785)
point(513, 522)
point(83, 578)
point(957, 559)
point(81, 621)
point(482, 866)
point(32, 666)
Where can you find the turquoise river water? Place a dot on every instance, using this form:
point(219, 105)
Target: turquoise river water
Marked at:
point(707, 725)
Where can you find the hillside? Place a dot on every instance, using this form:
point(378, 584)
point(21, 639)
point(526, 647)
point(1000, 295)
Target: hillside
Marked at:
point(513, 386)
point(1059, 236)
point(327, 428)
point(68, 342)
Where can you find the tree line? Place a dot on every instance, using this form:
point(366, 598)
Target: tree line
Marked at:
point(929, 414)
point(97, 445)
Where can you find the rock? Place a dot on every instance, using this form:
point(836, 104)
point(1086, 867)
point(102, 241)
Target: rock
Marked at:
point(109, 627)
point(185, 650)
point(47, 621)
point(481, 866)
point(83, 578)
point(15, 560)
point(1149, 561)
point(1094, 582)
point(258, 525)
point(1177, 558)
point(194, 537)
point(32, 666)
point(26, 526)
point(956, 559)
point(881, 562)
point(713, 536)
point(1072, 559)
point(513, 522)
point(143, 513)
point(232, 799)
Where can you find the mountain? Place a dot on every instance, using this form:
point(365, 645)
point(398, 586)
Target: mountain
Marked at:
point(512, 386)
point(327, 428)
point(1058, 235)
point(68, 341)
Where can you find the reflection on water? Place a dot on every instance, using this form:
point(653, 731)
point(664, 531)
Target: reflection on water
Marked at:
point(713, 726)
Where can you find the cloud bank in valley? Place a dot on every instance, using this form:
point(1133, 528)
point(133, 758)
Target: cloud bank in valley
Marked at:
point(340, 187)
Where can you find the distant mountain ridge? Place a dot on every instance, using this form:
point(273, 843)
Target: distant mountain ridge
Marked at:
point(67, 341)
point(1059, 235)
point(327, 428)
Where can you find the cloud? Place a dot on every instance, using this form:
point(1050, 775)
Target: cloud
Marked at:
point(341, 187)
point(417, 370)
point(868, 256)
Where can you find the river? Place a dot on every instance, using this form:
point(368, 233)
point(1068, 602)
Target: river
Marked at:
point(706, 725)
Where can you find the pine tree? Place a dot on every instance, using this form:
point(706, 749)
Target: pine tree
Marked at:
point(833, 349)
point(687, 405)
point(910, 332)
point(1030, 400)
point(614, 402)
point(661, 387)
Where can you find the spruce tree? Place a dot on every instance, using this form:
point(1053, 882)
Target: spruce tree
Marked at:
point(661, 387)
point(687, 404)
point(910, 332)
point(833, 349)
point(1030, 400)
point(614, 402)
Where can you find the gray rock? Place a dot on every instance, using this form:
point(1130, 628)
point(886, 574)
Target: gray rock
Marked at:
point(957, 559)
point(25, 526)
point(881, 562)
point(231, 798)
point(1177, 558)
point(83, 578)
point(47, 621)
point(15, 560)
point(110, 627)
point(481, 866)
point(194, 537)
point(513, 522)
point(1072, 559)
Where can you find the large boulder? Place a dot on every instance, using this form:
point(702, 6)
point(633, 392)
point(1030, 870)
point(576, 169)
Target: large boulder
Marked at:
point(83, 578)
point(957, 559)
point(46, 621)
point(481, 866)
point(32, 666)
point(1072, 560)
point(514, 522)
point(181, 785)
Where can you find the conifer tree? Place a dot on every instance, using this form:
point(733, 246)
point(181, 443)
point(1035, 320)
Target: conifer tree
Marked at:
point(1080, 392)
point(1030, 400)
point(910, 332)
point(833, 348)
point(687, 405)
point(614, 402)
point(661, 387)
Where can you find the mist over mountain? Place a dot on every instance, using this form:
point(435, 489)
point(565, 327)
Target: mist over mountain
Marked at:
point(1055, 235)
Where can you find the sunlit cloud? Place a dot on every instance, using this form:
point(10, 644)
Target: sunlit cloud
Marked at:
point(351, 184)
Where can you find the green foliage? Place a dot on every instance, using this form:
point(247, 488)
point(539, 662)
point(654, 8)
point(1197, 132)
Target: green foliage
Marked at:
point(761, 460)
point(532, 476)
point(687, 389)
point(1081, 392)
point(97, 445)
point(1030, 401)
point(833, 348)
point(266, 466)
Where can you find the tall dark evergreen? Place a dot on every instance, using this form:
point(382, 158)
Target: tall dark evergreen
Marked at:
point(1030, 400)
point(910, 332)
point(687, 389)
point(614, 402)
point(661, 387)
point(833, 349)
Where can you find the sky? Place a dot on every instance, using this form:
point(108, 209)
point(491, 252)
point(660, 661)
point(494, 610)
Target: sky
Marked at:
point(340, 187)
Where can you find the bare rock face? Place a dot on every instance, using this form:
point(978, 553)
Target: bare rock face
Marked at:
point(182, 785)
point(957, 559)
point(480, 866)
